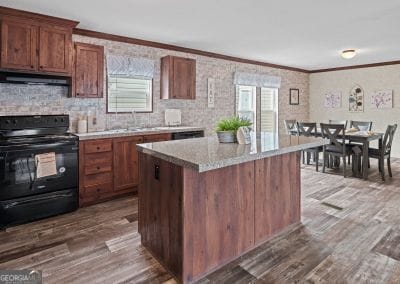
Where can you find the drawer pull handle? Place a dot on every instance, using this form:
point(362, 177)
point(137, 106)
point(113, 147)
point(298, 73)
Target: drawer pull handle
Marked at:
point(98, 168)
point(98, 148)
point(98, 190)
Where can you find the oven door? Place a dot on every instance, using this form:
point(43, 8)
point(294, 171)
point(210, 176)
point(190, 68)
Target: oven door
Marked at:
point(18, 170)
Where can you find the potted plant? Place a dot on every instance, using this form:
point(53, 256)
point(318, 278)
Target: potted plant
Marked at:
point(227, 128)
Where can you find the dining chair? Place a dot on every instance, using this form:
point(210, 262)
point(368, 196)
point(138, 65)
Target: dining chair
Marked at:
point(337, 147)
point(309, 129)
point(361, 126)
point(384, 151)
point(290, 125)
point(344, 122)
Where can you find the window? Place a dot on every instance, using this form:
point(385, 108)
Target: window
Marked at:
point(259, 105)
point(246, 103)
point(269, 110)
point(127, 94)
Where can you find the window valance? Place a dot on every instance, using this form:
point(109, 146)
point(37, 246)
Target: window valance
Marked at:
point(256, 79)
point(130, 66)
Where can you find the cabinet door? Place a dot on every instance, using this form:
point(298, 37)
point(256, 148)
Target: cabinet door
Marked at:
point(88, 73)
point(126, 162)
point(55, 45)
point(18, 45)
point(184, 78)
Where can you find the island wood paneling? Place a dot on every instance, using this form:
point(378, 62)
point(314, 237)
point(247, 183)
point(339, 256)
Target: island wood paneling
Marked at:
point(277, 194)
point(218, 217)
point(160, 210)
point(194, 223)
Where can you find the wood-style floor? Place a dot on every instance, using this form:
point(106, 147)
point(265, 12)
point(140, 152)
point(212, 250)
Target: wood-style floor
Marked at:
point(350, 234)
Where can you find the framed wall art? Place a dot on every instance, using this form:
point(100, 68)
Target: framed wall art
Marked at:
point(333, 99)
point(294, 97)
point(382, 99)
point(356, 99)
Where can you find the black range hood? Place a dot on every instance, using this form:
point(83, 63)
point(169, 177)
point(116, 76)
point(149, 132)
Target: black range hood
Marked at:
point(34, 79)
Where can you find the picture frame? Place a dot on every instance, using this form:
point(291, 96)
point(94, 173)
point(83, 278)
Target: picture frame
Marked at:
point(294, 98)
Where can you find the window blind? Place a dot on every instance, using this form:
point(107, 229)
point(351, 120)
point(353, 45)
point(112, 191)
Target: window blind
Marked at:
point(126, 94)
point(268, 110)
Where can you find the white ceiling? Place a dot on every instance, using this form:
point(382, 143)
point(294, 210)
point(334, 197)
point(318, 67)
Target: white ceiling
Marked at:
point(307, 34)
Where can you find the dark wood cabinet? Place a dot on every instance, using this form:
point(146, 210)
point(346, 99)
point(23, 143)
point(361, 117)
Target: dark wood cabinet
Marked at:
point(35, 43)
point(18, 45)
point(55, 50)
point(95, 171)
point(178, 78)
point(126, 173)
point(109, 168)
point(88, 70)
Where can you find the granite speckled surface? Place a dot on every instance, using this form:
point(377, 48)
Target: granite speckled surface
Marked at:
point(205, 154)
point(146, 131)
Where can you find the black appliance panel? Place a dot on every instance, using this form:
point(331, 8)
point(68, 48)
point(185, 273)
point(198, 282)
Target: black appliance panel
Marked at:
point(22, 210)
point(187, 135)
point(18, 170)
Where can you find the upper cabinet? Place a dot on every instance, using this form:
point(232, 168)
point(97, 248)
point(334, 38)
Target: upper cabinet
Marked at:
point(35, 43)
point(88, 71)
point(178, 78)
point(55, 50)
point(18, 45)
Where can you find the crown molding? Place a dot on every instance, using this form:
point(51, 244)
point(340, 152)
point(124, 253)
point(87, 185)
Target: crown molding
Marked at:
point(112, 37)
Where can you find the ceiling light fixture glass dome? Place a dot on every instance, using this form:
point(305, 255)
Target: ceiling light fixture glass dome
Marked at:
point(348, 53)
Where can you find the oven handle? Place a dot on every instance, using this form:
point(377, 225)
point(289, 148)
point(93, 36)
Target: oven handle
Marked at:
point(3, 158)
point(48, 146)
point(35, 199)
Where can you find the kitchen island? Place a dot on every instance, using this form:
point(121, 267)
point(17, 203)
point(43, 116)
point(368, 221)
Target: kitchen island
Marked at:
point(203, 204)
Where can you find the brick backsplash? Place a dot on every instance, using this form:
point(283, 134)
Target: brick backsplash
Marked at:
point(24, 99)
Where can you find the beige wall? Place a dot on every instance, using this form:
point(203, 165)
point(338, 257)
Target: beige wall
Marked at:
point(370, 79)
point(16, 99)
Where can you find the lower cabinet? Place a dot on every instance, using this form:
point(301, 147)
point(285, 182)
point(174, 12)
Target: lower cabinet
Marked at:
point(126, 174)
point(109, 168)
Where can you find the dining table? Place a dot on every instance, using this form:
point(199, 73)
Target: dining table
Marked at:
point(364, 138)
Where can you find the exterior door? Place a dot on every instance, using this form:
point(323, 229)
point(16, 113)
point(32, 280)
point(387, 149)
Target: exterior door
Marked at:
point(54, 50)
point(126, 170)
point(18, 45)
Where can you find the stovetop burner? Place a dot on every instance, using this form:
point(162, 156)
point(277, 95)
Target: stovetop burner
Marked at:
point(8, 141)
point(34, 129)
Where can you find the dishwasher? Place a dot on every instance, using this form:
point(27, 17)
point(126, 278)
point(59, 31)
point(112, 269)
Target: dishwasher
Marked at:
point(187, 135)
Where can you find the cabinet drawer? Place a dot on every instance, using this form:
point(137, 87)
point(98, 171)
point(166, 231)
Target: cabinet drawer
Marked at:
point(94, 159)
point(97, 146)
point(99, 168)
point(89, 180)
point(96, 190)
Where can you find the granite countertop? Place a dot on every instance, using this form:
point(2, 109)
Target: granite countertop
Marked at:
point(145, 131)
point(205, 154)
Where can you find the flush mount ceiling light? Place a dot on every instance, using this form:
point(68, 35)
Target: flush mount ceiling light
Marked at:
point(348, 53)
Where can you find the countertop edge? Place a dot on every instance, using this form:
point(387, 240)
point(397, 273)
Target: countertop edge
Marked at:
point(204, 167)
point(105, 135)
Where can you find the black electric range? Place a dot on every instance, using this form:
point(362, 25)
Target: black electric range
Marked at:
point(30, 190)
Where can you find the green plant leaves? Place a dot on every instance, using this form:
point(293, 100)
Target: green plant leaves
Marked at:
point(232, 124)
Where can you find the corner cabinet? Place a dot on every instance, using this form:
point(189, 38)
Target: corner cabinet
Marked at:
point(178, 78)
point(88, 71)
point(35, 43)
point(109, 168)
